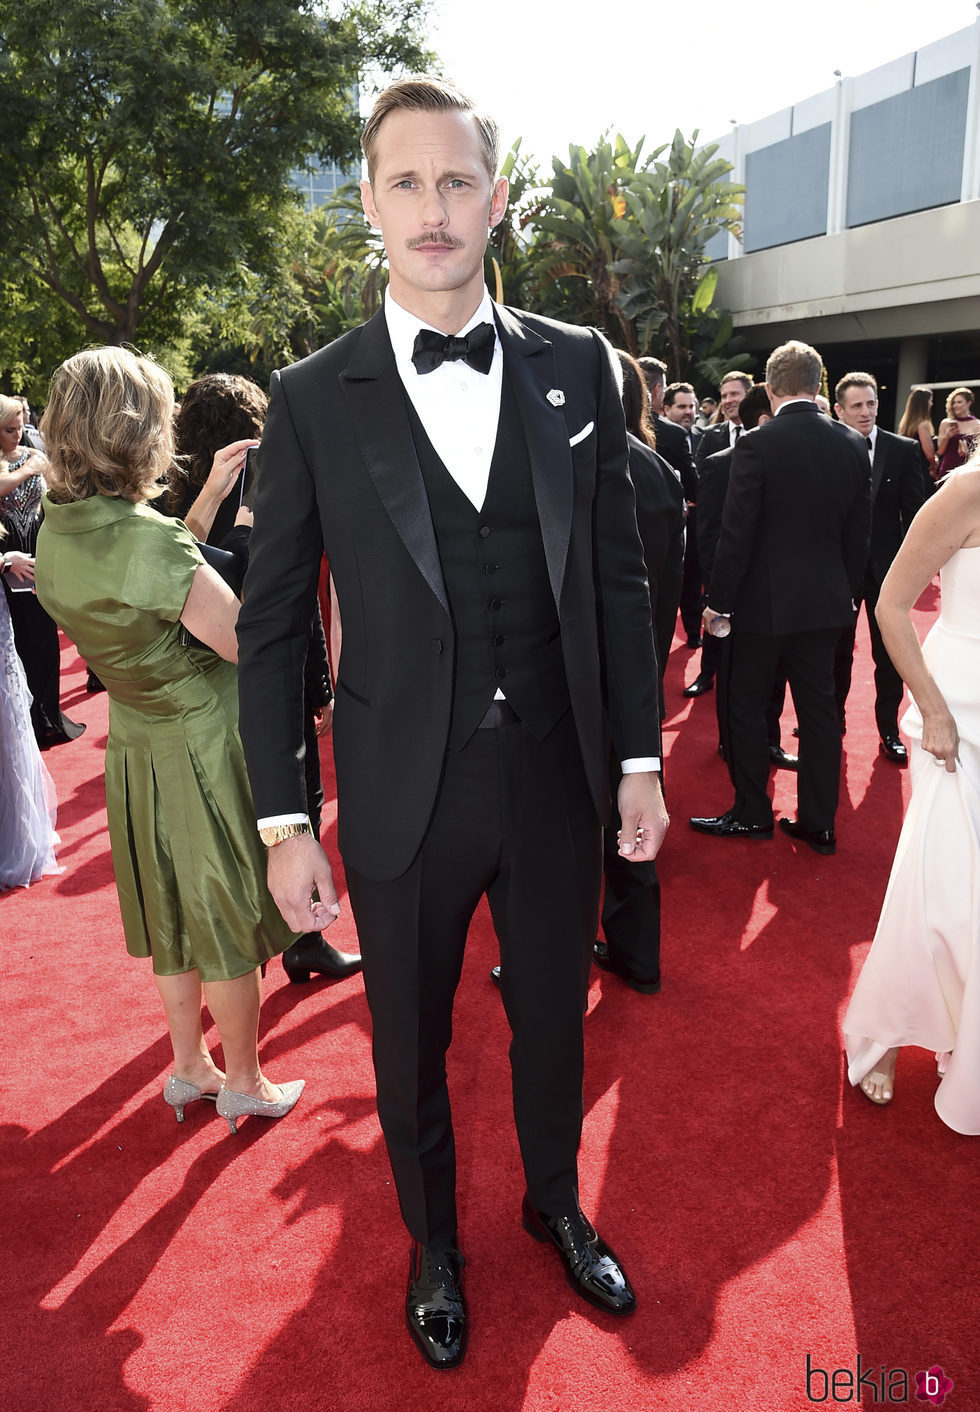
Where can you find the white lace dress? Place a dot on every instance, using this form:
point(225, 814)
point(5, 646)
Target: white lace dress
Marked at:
point(27, 798)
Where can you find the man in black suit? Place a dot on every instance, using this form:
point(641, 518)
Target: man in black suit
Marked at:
point(465, 468)
point(720, 437)
point(713, 478)
point(787, 570)
point(898, 490)
point(674, 445)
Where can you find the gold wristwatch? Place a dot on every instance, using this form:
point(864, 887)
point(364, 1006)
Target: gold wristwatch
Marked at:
point(276, 833)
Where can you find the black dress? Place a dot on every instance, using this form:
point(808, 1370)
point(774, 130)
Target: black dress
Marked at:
point(35, 635)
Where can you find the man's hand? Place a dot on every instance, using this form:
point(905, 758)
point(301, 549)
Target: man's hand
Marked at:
point(323, 717)
point(644, 815)
point(298, 869)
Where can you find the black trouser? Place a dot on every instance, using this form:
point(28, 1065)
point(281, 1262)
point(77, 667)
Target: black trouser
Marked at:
point(691, 591)
point(808, 658)
point(630, 904)
point(888, 683)
point(513, 820)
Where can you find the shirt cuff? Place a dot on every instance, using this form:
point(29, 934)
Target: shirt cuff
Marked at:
point(640, 764)
point(274, 819)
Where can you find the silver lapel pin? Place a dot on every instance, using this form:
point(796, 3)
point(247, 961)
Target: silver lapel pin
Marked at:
point(556, 397)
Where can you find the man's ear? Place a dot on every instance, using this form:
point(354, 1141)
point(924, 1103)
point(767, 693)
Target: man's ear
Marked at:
point(367, 202)
point(498, 202)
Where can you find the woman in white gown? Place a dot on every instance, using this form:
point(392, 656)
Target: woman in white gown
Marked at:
point(27, 799)
point(921, 980)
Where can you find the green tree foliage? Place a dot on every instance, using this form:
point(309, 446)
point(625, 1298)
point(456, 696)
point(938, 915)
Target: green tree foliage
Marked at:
point(148, 144)
point(619, 241)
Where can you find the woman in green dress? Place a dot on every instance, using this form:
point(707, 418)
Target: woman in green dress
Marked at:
point(121, 580)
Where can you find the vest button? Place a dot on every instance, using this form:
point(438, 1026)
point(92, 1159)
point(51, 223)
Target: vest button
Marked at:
point(494, 604)
point(489, 568)
point(484, 531)
point(500, 673)
point(498, 640)
point(436, 645)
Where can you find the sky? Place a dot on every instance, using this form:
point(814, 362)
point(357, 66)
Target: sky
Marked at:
point(561, 71)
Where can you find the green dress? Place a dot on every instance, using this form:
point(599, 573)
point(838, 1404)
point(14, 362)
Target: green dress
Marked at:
point(189, 864)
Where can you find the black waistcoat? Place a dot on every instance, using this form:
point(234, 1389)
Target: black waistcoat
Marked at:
point(496, 577)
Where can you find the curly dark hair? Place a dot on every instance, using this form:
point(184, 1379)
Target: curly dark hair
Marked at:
point(215, 410)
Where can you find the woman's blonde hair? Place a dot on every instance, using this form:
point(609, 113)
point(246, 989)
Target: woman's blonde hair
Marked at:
point(108, 427)
point(958, 392)
point(10, 407)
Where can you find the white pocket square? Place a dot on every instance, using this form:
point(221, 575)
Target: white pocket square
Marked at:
point(581, 435)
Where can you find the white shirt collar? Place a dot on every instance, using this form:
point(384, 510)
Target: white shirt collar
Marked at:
point(403, 326)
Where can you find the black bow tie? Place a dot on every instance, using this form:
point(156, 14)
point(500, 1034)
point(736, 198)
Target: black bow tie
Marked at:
point(431, 348)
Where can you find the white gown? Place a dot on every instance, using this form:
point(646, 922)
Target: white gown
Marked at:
point(27, 798)
point(920, 983)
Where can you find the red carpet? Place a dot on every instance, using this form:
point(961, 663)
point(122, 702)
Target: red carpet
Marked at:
point(766, 1214)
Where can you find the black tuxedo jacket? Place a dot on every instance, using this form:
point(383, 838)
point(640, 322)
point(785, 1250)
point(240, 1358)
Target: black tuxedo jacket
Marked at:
point(713, 475)
point(340, 474)
point(715, 438)
point(898, 491)
point(794, 533)
point(673, 447)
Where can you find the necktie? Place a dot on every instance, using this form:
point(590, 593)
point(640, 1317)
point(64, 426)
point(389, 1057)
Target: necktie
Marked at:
point(431, 349)
point(737, 433)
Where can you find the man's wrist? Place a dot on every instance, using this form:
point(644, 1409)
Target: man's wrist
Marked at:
point(273, 833)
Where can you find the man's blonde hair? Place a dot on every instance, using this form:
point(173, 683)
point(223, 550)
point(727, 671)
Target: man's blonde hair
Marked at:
point(424, 94)
point(794, 369)
point(108, 427)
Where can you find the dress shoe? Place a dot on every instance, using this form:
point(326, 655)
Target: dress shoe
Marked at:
point(179, 1092)
point(782, 761)
point(312, 953)
point(820, 840)
point(892, 748)
point(600, 954)
point(727, 826)
point(434, 1305)
point(699, 686)
point(495, 975)
point(591, 1268)
point(233, 1105)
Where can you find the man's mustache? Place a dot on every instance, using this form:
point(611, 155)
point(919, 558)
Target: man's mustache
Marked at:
point(419, 242)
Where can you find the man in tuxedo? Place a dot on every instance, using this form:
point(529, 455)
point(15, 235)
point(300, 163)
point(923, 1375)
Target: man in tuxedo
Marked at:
point(898, 490)
point(787, 569)
point(720, 437)
point(754, 411)
point(465, 468)
point(674, 445)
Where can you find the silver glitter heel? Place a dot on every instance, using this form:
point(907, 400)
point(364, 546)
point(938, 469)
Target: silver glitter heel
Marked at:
point(232, 1105)
point(178, 1093)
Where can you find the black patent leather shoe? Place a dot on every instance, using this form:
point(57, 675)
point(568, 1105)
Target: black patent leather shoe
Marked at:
point(434, 1307)
point(892, 748)
point(699, 686)
point(727, 826)
point(782, 761)
point(820, 840)
point(591, 1268)
point(600, 954)
point(312, 953)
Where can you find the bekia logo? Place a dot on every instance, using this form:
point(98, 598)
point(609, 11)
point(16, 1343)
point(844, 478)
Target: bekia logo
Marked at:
point(868, 1384)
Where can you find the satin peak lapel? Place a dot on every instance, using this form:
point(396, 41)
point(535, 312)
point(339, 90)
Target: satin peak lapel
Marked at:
point(531, 366)
point(376, 399)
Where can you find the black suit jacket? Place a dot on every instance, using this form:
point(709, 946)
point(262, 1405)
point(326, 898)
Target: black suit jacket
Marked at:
point(340, 473)
point(794, 532)
point(715, 438)
point(713, 475)
point(899, 489)
point(673, 447)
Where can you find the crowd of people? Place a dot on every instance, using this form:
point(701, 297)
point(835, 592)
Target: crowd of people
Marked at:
point(513, 514)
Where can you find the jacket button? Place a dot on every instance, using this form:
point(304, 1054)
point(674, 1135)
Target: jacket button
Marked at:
point(489, 568)
point(436, 645)
point(484, 531)
point(494, 605)
point(500, 673)
point(498, 640)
